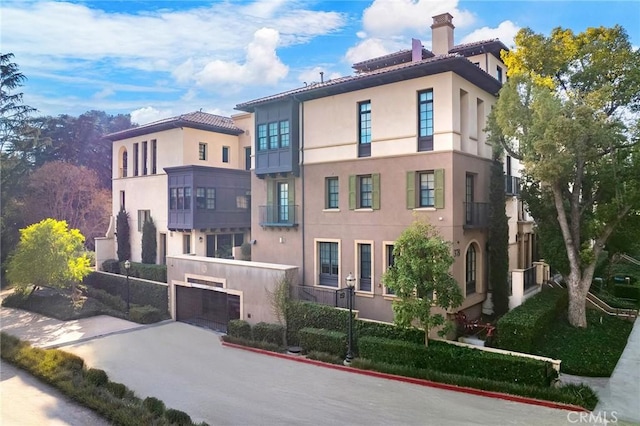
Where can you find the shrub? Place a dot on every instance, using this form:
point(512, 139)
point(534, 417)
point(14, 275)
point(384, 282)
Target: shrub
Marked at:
point(177, 417)
point(267, 346)
point(265, 332)
point(154, 405)
point(316, 339)
point(520, 328)
point(307, 314)
point(325, 357)
point(111, 265)
point(124, 236)
point(15, 299)
point(96, 376)
point(239, 328)
point(149, 242)
point(148, 271)
point(627, 291)
point(114, 302)
point(117, 389)
point(448, 358)
point(140, 292)
point(389, 331)
point(145, 314)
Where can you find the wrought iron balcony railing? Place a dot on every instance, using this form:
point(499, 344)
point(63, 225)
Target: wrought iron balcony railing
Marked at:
point(476, 215)
point(278, 215)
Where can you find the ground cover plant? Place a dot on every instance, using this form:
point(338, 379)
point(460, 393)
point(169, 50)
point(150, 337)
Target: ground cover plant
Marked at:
point(593, 351)
point(89, 387)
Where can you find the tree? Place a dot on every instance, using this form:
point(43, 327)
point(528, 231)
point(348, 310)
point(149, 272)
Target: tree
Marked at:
point(569, 113)
point(71, 193)
point(17, 140)
point(49, 254)
point(420, 278)
point(498, 238)
point(149, 242)
point(80, 141)
point(123, 234)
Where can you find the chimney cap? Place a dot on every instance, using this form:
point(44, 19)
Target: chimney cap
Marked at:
point(444, 19)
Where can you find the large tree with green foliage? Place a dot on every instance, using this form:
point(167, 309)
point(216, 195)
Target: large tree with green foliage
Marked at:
point(421, 279)
point(49, 254)
point(149, 242)
point(569, 113)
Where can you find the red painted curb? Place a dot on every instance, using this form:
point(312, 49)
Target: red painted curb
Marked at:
point(412, 380)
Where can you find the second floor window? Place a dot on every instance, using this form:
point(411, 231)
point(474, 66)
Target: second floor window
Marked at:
point(365, 191)
point(332, 193)
point(365, 122)
point(136, 160)
point(427, 189)
point(225, 154)
point(180, 198)
point(202, 151)
point(205, 198)
point(425, 120)
point(273, 135)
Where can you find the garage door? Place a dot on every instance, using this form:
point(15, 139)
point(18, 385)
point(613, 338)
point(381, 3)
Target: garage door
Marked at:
point(206, 308)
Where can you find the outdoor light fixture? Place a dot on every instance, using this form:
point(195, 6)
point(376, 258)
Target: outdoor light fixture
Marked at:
point(351, 282)
point(127, 266)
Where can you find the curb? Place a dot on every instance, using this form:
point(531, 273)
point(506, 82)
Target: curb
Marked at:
point(412, 380)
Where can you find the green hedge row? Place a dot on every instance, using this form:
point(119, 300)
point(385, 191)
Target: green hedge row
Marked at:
point(320, 340)
point(239, 328)
point(627, 291)
point(519, 329)
point(137, 270)
point(140, 292)
point(447, 358)
point(89, 387)
point(261, 332)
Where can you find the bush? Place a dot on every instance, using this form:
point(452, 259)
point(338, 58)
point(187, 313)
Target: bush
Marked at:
point(140, 292)
point(15, 299)
point(239, 328)
point(325, 357)
point(389, 331)
point(145, 314)
point(147, 271)
point(177, 417)
point(265, 332)
point(96, 376)
point(117, 389)
point(448, 358)
point(267, 346)
point(519, 329)
point(114, 302)
point(307, 314)
point(316, 339)
point(111, 265)
point(627, 291)
point(154, 405)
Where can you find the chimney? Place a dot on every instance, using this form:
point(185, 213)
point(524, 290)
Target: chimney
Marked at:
point(442, 34)
point(416, 50)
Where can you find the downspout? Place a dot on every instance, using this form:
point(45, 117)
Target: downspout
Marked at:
point(301, 164)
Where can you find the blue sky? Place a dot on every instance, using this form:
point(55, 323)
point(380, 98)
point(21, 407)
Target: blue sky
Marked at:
point(155, 59)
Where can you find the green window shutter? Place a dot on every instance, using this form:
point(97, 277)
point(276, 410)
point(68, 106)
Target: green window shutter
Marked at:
point(375, 195)
point(271, 189)
point(411, 190)
point(439, 188)
point(292, 192)
point(352, 192)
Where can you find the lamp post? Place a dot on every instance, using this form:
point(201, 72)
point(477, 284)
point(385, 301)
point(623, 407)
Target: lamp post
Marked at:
point(351, 281)
point(127, 266)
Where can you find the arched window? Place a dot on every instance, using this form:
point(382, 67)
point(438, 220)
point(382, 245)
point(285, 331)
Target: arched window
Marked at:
point(123, 166)
point(471, 270)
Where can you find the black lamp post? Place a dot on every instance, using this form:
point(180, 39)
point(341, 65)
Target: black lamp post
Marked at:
point(351, 281)
point(127, 266)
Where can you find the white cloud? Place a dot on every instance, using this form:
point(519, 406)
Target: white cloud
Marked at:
point(149, 114)
point(104, 93)
point(506, 32)
point(261, 65)
point(394, 17)
point(367, 49)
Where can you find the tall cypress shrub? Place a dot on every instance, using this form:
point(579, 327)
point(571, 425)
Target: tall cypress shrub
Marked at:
point(149, 242)
point(123, 236)
point(498, 238)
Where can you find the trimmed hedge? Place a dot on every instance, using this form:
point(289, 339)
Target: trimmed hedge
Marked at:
point(320, 340)
point(111, 265)
point(265, 332)
point(110, 300)
point(520, 328)
point(145, 314)
point(389, 331)
point(239, 328)
point(447, 358)
point(307, 314)
point(140, 292)
point(627, 291)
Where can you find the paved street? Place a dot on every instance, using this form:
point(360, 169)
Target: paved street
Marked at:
point(25, 401)
point(189, 369)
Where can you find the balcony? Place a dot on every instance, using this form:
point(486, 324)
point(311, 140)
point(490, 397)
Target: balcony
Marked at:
point(476, 215)
point(278, 215)
point(512, 185)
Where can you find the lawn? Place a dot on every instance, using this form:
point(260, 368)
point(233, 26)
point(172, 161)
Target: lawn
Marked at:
point(593, 351)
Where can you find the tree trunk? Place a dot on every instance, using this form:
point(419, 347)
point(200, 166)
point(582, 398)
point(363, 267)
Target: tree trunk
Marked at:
point(426, 336)
point(578, 289)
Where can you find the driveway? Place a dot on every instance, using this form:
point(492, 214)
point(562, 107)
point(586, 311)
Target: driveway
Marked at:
point(189, 369)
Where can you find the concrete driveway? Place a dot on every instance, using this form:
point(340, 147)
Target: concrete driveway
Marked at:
point(189, 369)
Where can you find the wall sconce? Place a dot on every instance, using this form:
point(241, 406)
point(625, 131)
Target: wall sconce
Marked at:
point(200, 239)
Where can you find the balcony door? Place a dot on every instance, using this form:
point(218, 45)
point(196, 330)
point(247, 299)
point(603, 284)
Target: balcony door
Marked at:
point(283, 202)
point(469, 198)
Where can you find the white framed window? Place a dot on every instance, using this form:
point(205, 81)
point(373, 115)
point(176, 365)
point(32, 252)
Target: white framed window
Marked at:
point(327, 262)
